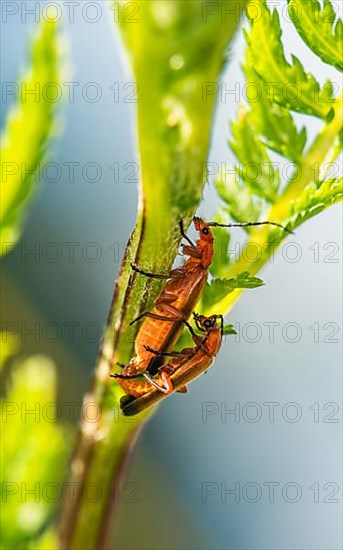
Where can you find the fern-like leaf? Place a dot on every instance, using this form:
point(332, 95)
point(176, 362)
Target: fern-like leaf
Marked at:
point(229, 329)
point(256, 169)
point(313, 200)
point(274, 124)
point(219, 288)
point(239, 203)
point(319, 28)
point(288, 84)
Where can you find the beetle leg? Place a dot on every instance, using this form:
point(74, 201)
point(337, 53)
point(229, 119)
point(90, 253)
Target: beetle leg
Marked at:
point(197, 322)
point(147, 274)
point(191, 251)
point(154, 316)
point(177, 314)
point(168, 384)
point(199, 327)
point(184, 234)
point(177, 272)
point(165, 353)
point(166, 298)
point(126, 376)
point(221, 325)
point(166, 388)
point(165, 307)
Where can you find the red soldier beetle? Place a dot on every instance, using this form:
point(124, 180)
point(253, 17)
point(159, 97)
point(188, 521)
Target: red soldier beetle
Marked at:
point(162, 326)
point(184, 367)
point(180, 294)
point(184, 285)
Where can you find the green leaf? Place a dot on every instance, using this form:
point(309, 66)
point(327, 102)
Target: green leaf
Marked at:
point(256, 169)
point(288, 84)
point(229, 329)
point(29, 126)
point(239, 203)
point(274, 124)
point(313, 200)
point(320, 30)
point(219, 288)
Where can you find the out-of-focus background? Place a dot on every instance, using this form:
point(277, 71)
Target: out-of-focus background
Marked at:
point(251, 457)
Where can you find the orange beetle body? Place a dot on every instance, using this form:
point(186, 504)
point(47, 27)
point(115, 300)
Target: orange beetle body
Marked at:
point(145, 379)
point(182, 369)
point(163, 325)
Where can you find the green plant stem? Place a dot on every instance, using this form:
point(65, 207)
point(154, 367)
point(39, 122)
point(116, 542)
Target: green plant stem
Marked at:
point(173, 52)
point(319, 153)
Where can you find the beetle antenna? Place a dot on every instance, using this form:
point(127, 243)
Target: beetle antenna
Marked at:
point(247, 224)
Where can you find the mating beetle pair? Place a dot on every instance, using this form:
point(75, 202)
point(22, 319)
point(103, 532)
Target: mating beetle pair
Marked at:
point(146, 379)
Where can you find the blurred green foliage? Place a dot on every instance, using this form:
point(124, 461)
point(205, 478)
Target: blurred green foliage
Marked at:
point(34, 452)
point(29, 126)
point(9, 346)
point(34, 445)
